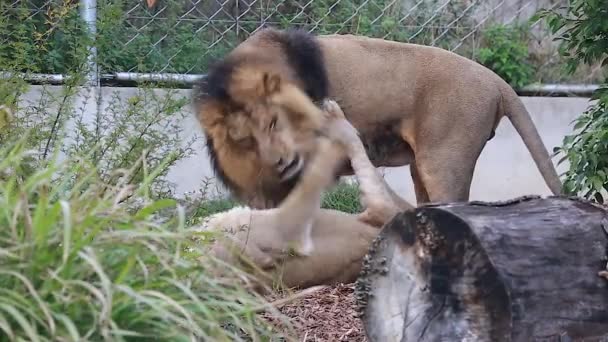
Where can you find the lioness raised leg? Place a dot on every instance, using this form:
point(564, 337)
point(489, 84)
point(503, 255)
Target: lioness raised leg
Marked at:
point(268, 235)
point(328, 245)
point(380, 201)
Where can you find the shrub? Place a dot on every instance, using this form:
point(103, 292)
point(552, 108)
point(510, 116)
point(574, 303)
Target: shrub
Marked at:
point(71, 121)
point(505, 52)
point(182, 37)
point(75, 264)
point(92, 245)
point(582, 29)
point(50, 40)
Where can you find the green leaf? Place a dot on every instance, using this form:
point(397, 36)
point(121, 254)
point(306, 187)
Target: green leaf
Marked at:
point(598, 185)
point(580, 124)
point(563, 159)
point(21, 320)
point(44, 219)
point(145, 212)
point(599, 93)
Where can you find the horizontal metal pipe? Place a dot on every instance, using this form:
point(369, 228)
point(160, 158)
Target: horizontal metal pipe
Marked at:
point(154, 77)
point(583, 90)
point(34, 78)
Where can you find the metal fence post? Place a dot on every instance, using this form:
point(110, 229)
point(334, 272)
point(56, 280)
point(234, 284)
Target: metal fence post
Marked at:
point(88, 13)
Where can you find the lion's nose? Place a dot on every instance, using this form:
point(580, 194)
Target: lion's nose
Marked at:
point(280, 164)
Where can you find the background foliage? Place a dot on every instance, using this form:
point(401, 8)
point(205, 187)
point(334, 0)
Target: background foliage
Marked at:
point(93, 246)
point(505, 52)
point(582, 29)
point(181, 36)
point(78, 263)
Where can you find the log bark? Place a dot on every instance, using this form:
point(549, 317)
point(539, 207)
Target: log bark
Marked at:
point(522, 270)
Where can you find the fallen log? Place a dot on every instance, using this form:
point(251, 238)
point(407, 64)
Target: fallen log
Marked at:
point(522, 270)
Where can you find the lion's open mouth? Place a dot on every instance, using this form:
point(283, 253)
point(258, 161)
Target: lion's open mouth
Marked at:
point(292, 169)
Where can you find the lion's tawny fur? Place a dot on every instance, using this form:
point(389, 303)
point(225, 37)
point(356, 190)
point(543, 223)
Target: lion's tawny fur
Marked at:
point(412, 104)
point(327, 246)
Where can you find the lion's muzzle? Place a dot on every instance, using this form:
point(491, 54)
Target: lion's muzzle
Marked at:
point(289, 169)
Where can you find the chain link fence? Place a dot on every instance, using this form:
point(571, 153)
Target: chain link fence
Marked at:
point(185, 36)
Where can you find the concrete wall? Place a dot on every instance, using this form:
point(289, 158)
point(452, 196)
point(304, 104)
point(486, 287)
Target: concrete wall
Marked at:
point(504, 170)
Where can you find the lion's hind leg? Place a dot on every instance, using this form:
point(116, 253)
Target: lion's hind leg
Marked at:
point(421, 195)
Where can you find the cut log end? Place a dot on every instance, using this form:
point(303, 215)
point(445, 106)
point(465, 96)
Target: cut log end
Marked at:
point(512, 271)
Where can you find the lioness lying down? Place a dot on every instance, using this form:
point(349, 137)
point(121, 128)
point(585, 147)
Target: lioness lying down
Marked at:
point(299, 244)
point(412, 104)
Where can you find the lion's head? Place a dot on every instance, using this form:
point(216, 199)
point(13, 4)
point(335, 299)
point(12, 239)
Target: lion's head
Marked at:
point(261, 128)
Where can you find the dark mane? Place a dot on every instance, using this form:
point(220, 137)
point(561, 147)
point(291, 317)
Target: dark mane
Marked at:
point(303, 53)
point(304, 56)
point(215, 85)
point(215, 165)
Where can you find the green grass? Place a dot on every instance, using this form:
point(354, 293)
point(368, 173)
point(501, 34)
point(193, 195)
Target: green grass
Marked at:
point(82, 259)
point(78, 262)
point(343, 197)
point(210, 207)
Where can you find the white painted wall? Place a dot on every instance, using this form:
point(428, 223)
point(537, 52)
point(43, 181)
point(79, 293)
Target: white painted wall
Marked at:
point(504, 170)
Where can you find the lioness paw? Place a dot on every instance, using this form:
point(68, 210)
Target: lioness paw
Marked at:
point(338, 128)
point(332, 109)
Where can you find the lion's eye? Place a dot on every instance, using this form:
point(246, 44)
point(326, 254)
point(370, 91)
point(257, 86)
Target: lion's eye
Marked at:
point(273, 123)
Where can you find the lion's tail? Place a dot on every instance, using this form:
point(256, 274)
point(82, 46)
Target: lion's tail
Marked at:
point(515, 110)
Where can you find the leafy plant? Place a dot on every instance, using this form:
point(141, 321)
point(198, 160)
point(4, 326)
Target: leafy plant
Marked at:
point(75, 264)
point(582, 30)
point(505, 52)
point(92, 244)
point(180, 37)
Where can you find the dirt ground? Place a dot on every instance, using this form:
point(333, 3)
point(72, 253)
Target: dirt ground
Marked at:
point(325, 315)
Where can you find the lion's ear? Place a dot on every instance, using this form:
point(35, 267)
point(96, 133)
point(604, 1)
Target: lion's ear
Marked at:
point(210, 113)
point(271, 84)
point(249, 85)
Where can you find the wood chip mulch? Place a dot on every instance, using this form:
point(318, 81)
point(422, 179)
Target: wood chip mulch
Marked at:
point(326, 315)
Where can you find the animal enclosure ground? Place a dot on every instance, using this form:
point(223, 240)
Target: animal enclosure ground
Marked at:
point(326, 315)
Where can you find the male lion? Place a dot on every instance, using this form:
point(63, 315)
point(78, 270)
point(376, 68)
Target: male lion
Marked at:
point(299, 244)
point(412, 104)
